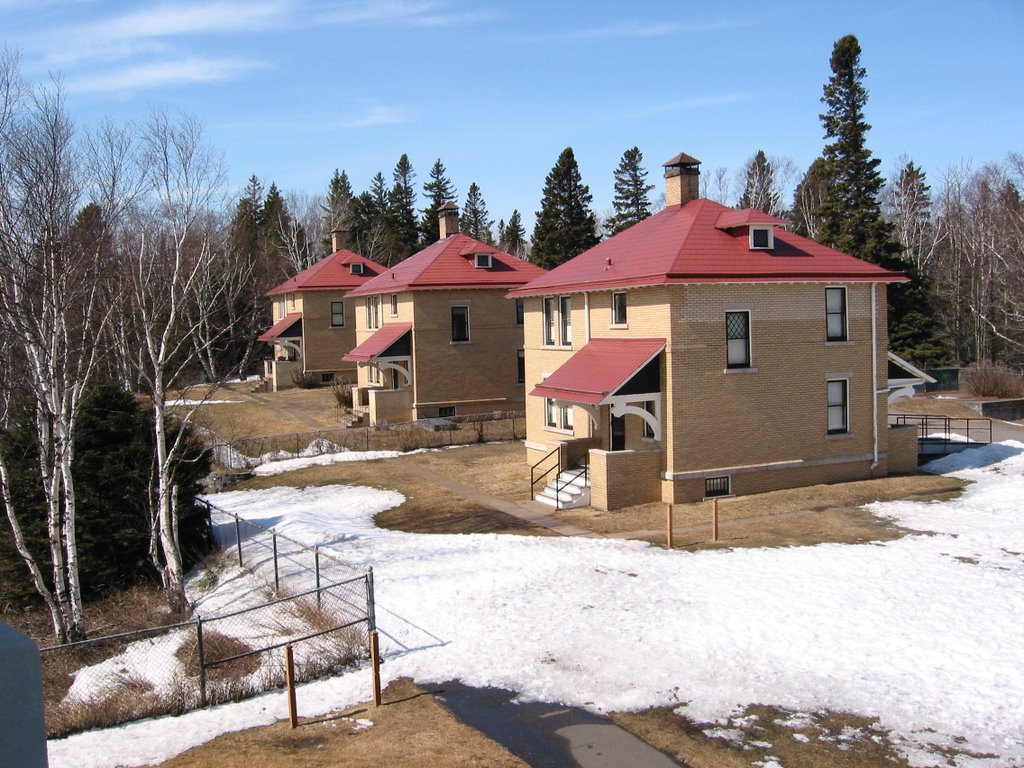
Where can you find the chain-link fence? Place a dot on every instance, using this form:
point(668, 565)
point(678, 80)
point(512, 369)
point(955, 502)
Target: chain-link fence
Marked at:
point(321, 605)
point(244, 453)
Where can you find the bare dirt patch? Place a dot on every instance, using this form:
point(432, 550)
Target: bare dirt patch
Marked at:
point(410, 730)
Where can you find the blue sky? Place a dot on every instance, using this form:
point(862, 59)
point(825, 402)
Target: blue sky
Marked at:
point(292, 89)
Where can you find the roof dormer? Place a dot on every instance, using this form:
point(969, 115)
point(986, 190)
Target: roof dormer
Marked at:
point(760, 227)
point(762, 237)
point(482, 261)
point(357, 268)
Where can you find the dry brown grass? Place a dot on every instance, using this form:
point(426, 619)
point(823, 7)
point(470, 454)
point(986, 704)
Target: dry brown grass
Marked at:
point(410, 730)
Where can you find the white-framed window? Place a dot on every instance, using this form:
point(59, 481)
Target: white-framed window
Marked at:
point(460, 324)
point(482, 260)
point(838, 406)
point(565, 320)
point(717, 486)
point(549, 320)
point(337, 314)
point(762, 238)
point(373, 374)
point(835, 314)
point(281, 308)
point(619, 308)
point(737, 336)
point(519, 311)
point(394, 305)
point(373, 312)
point(291, 302)
point(566, 417)
point(356, 268)
point(556, 416)
point(520, 366)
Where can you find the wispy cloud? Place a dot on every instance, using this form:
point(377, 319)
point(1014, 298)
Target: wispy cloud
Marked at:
point(377, 115)
point(697, 102)
point(185, 71)
point(637, 30)
point(419, 13)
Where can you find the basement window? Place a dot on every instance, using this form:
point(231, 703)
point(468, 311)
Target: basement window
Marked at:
point(446, 411)
point(717, 486)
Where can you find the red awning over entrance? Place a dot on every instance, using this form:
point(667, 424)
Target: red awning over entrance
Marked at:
point(598, 370)
point(378, 344)
point(281, 327)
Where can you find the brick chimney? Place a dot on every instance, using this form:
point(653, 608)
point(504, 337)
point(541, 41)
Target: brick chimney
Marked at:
point(339, 239)
point(682, 179)
point(448, 219)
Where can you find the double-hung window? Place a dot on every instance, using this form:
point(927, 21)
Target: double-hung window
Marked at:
point(549, 320)
point(557, 417)
point(460, 324)
point(520, 366)
point(565, 320)
point(619, 308)
point(838, 406)
point(519, 311)
point(835, 314)
point(373, 312)
point(394, 305)
point(737, 335)
point(337, 314)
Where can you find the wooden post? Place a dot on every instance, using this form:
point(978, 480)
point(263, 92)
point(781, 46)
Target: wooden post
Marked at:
point(375, 663)
point(714, 519)
point(289, 676)
point(668, 528)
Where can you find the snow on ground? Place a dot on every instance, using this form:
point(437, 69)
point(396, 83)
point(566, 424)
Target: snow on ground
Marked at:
point(274, 466)
point(183, 402)
point(925, 633)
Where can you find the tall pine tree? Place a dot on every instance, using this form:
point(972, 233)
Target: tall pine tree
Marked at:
point(475, 221)
point(337, 209)
point(368, 226)
point(401, 208)
point(438, 191)
point(632, 203)
point(512, 237)
point(566, 225)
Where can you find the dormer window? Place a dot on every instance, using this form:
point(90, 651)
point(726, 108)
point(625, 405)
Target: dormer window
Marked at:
point(762, 238)
point(356, 268)
point(482, 260)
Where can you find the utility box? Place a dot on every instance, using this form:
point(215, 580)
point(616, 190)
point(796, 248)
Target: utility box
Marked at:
point(22, 730)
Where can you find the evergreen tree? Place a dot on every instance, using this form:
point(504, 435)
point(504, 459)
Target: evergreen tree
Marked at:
point(760, 190)
point(807, 198)
point(850, 215)
point(566, 225)
point(474, 220)
point(337, 210)
point(632, 203)
point(368, 222)
point(512, 237)
point(401, 211)
point(438, 191)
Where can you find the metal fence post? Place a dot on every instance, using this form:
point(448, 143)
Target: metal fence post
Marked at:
point(202, 662)
point(371, 614)
point(238, 539)
point(277, 580)
point(316, 570)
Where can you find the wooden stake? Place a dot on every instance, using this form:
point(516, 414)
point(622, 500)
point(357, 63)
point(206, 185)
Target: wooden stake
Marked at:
point(668, 528)
point(375, 662)
point(714, 519)
point(289, 675)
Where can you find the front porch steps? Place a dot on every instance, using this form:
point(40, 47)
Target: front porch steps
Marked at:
point(573, 491)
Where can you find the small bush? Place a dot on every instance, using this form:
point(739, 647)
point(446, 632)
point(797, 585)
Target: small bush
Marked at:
point(305, 380)
point(993, 380)
point(343, 395)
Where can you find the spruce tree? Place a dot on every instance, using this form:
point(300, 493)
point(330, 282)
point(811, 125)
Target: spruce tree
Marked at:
point(850, 215)
point(512, 238)
point(566, 225)
point(438, 191)
point(632, 203)
point(474, 220)
point(401, 210)
point(339, 202)
point(760, 190)
point(368, 226)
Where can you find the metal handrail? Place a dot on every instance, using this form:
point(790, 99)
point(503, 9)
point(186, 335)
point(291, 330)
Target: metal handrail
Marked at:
point(583, 465)
point(534, 480)
point(946, 424)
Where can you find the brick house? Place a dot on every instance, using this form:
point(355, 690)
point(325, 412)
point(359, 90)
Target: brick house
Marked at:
point(436, 336)
point(314, 324)
point(704, 352)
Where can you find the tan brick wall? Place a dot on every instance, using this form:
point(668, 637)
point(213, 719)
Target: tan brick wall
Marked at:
point(622, 478)
point(323, 344)
point(390, 405)
point(902, 449)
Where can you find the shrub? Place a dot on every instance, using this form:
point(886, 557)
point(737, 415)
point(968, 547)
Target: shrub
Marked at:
point(343, 395)
point(993, 380)
point(305, 380)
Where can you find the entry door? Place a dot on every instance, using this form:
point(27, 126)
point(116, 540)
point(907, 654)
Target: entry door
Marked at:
point(618, 432)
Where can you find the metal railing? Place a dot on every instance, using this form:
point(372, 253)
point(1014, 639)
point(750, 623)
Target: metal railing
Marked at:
point(946, 432)
point(535, 468)
point(580, 469)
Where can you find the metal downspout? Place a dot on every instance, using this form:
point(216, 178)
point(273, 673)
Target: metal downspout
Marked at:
point(874, 373)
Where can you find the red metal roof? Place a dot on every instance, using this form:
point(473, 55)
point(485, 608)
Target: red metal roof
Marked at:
point(280, 327)
point(377, 344)
point(600, 368)
point(449, 264)
point(330, 274)
point(685, 244)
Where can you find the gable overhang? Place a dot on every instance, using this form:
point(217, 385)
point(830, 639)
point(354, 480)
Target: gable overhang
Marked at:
point(599, 371)
point(288, 327)
point(383, 344)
